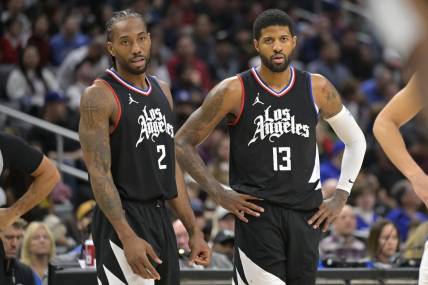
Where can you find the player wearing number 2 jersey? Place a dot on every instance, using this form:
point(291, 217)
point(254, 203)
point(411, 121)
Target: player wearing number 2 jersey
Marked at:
point(127, 139)
point(274, 169)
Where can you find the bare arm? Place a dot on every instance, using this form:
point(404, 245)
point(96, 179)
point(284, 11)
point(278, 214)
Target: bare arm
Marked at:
point(224, 99)
point(403, 107)
point(200, 252)
point(96, 108)
point(46, 176)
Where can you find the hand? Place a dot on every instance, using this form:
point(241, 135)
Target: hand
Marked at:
point(420, 186)
point(238, 204)
point(136, 250)
point(329, 210)
point(7, 217)
point(200, 252)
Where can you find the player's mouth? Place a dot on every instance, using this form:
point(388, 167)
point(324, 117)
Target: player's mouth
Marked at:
point(138, 61)
point(278, 58)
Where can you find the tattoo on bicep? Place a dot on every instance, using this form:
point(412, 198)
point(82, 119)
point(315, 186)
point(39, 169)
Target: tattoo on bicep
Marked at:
point(196, 130)
point(333, 104)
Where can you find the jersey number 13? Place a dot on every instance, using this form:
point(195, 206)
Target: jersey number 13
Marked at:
point(281, 158)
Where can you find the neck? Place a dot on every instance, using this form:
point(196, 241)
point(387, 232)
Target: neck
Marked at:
point(39, 263)
point(276, 80)
point(383, 258)
point(136, 80)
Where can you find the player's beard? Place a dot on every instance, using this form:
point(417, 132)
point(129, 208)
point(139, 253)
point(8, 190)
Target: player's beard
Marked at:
point(140, 70)
point(128, 68)
point(268, 62)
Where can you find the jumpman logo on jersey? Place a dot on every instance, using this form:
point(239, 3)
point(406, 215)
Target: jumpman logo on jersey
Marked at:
point(258, 100)
point(131, 100)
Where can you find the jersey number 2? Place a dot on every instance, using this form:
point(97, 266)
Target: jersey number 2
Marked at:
point(284, 154)
point(161, 148)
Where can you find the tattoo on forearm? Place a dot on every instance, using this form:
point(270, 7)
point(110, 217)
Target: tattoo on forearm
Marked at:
point(194, 132)
point(94, 139)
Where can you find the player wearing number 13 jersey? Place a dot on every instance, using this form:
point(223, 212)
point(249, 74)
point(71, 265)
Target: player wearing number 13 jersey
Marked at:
point(273, 111)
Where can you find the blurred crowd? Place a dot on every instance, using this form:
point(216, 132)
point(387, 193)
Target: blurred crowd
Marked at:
point(51, 51)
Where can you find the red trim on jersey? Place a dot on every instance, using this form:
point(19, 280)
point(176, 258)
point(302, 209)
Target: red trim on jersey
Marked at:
point(269, 89)
point(129, 86)
point(236, 121)
point(116, 98)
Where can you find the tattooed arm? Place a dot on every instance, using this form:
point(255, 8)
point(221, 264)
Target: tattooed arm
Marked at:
point(200, 251)
point(97, 107)
point(340, 119)
point(224, 99)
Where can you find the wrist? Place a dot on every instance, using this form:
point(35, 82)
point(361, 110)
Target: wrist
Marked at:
point(415, 174)
point(195, 231)
point(341, 195)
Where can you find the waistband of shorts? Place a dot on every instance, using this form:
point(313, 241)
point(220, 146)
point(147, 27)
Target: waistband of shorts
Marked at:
point(155, 202)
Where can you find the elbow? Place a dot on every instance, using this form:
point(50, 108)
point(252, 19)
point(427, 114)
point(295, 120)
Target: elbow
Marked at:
point(378, 126)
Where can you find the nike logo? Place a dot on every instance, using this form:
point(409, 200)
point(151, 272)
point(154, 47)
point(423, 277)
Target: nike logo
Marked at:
point(350, 181)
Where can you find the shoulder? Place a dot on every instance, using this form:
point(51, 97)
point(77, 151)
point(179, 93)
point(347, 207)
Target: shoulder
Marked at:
point(230, 87)
point(166, 89)
point(320, 84)
point(98, 96)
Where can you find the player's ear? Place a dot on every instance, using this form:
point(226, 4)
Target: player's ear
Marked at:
point(294, 41)
point(109, 47)
point(256, 44)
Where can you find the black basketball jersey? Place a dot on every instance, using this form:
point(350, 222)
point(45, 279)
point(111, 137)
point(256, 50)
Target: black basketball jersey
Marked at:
point(142, 142)
point(273, 150)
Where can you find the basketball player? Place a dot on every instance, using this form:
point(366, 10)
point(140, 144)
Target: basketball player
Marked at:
point(274, 157)
point(127, 139)
point(15, 154)
point(402, 108)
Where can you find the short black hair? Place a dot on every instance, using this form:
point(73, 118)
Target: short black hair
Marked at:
point(119, 16)
point(272, 17)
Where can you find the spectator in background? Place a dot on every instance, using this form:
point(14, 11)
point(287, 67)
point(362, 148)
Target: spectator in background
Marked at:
point(15, 9)
point(159, 54)
point(11, 42)
point(383, 244)
point(407, 215)
point(84, 75)
point(55, 111)
point(219, 167)
point(94, 53)
point(40, 38)
point(330, 66)
point(38, 250)
point(415, 244)
point(330, 166)
point(68, 39)
point(375, 89)
point(203, 36)
point(16, 272)
point(342, 245)
point(365, 199)
point(223, 245)
point(223, 60)
point(185, 55)
point(30, 82)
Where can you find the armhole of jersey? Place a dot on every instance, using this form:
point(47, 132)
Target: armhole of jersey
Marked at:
point(236, 121)
point(312, 95)
point(116, 99)
point(156, 82)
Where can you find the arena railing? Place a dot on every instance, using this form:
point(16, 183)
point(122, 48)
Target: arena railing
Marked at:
point(222, 277)
point(60, 133)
